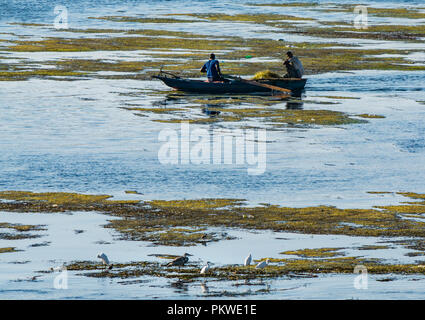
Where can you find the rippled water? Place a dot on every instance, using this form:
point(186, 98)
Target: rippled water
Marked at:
point(72, 136)
point(94, 146)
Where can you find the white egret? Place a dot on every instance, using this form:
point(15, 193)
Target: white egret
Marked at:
point(205, 268)
point(262, 264)
point(248, 260)
point(104, 259)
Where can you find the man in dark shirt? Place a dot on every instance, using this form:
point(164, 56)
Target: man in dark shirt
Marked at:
point(294, 67)
point(212, 68)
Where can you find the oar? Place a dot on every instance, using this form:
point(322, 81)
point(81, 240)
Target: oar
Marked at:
point(169, 73)
point(259, 84)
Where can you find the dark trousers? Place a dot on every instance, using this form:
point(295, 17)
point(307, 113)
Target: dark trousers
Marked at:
point(212, 79)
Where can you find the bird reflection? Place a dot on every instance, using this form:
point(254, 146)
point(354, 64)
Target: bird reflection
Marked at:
point(204, 287)
point(180, 285)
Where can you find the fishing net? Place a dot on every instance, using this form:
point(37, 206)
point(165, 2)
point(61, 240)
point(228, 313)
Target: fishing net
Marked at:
point(265, 74)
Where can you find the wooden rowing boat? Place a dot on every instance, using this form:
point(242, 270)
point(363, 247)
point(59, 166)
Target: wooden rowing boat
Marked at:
point(235, 85)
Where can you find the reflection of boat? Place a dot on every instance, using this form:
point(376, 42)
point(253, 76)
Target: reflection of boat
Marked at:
point(294, 105)
point(230, 86)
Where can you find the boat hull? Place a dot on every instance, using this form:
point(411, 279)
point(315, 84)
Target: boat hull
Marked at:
point(232, 86)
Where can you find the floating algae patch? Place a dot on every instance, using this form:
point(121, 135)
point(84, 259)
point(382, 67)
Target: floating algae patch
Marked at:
point(8, 249)
point(196, 204)
point(408, 13)
point(155, 110)
point(17, 236)
point(373, 247)
point(53, 197)
point(352, 59)
point(287, 4)
point(277, 268)
point(273, 116)
point(413, 195)
point(57, 201)
point(325, 220)
point(170, 231)
point(41, 244)
point(179, 237)
point(143, 19)
point(133, 192)
point(388, 29)
point(261, 18)
point(115, 44)
point(337, 97)
point(21, 231)
point(24, 24)
point(164, 235)
point(404, 33)
point(347, 265)
point(316, 58)
point(39, 73)
point(406, 209)
point(235, 100)
point(380, 192)
point(147, 220)
point(315, 117)
point(315, 253)
point(21, 227)
point(199, 120)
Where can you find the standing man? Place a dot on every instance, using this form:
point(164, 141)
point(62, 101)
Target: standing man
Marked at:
point(294, 67)
point(212, 68)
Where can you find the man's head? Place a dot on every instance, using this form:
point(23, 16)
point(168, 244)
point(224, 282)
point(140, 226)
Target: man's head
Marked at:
point(289, 54)
point(212, 56)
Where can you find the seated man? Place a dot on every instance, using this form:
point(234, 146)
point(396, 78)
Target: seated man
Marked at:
point(212, 68)
point(294, 67)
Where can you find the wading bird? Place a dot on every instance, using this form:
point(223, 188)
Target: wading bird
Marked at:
point(179, 261)
point(248, 260)
point(205, 268)
point(104, 259)
point(262, 264)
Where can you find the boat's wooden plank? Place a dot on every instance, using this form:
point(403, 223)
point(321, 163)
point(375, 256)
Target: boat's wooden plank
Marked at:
point(255, 83)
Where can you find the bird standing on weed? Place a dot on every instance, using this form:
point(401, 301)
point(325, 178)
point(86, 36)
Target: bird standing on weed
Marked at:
point(105, 260)
point(179, 261)
point(248, 261)
point(262, 264)
point(205, 268)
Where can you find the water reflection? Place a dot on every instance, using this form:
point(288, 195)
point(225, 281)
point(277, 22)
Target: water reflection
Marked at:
point(169, 99)
point(294, 105)
point(212, 113)
point(204, 287)
point(180, 286)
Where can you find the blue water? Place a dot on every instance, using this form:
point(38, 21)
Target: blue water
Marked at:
point(42, 10)
point(53, 141)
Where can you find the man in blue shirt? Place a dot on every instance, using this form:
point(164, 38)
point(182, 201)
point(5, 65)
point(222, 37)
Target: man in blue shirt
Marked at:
point(212, 68)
